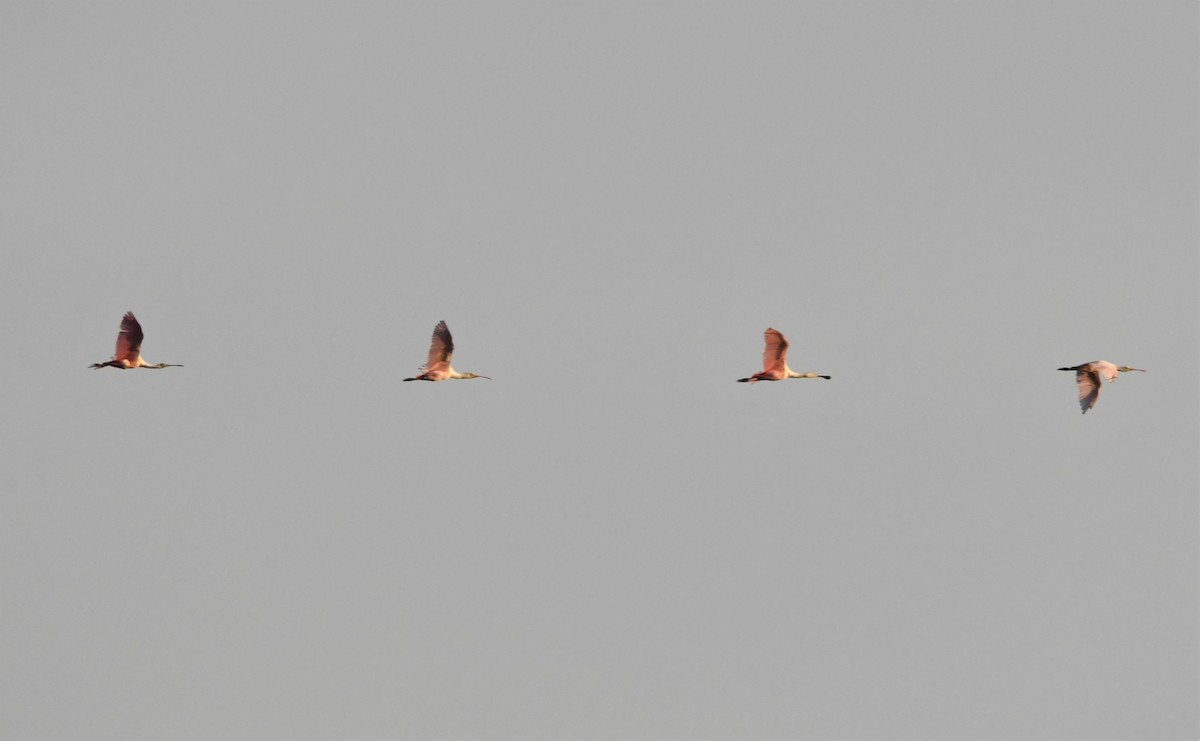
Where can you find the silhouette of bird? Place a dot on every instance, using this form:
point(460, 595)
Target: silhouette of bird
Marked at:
point(437, 366)
point(1088, 376)
point(129, 346)
point(775, 366)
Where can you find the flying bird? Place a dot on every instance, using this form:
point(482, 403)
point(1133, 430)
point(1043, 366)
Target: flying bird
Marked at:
point(775, 366)
point(129, 346)
point(437, 366)
point(1088, 377)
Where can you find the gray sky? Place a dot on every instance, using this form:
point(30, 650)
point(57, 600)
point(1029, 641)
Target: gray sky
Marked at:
point(938, 203)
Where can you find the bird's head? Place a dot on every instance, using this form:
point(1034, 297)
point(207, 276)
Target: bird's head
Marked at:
point(474, 375)
point(1126, 369)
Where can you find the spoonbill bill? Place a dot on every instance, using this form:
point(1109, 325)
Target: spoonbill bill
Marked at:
point(129, 346)
point(437, 366)
point(1088, 377)
point(775, 366)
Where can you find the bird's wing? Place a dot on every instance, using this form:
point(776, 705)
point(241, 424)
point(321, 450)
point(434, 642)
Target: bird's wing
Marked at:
point(129, 339)
point(441, 347)
point(775, 352)
point(1106, 369)
point(1089, 388)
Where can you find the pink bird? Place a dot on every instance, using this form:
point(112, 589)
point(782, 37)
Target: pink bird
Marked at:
point(1088, 376)
point(129, 346)
point(775, 366)
point(437, 366)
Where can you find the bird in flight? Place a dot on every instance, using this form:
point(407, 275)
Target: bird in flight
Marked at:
point(775, 366)
point(437, 366)
point(129, 346)
point(1088, 377)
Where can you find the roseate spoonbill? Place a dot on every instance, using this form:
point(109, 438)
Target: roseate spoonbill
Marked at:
point(775, 361)
point(1088, 377)
point(129, 346)
point(437, 366)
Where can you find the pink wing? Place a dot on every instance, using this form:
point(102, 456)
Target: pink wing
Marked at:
point(1089, 388)
point(1106, 369)
point(129, 339)
point(775, 353)
point(441, 347)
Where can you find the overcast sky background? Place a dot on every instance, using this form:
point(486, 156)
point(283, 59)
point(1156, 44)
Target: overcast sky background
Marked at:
point(938, 203)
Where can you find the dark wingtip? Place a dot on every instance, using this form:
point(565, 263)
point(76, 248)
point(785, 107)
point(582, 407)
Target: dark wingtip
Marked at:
point(743, 380)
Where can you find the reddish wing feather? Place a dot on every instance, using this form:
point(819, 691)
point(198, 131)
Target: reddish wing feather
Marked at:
point(775, 352)
point(1089, 388)
point(441, 347)
point(129, 339)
